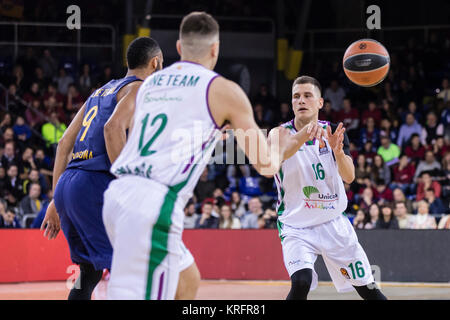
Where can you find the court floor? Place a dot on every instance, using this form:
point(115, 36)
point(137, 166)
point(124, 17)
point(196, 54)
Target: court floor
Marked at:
point(237, 290)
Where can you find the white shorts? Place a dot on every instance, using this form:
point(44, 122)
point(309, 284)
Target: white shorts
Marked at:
point(142, 220)
point(337, 242)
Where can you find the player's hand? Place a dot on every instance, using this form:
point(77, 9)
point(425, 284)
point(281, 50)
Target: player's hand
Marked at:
point(51, 222)
point(336, 139)
point(314, 130)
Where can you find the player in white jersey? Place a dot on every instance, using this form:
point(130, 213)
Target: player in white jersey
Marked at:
point(171, 138)
point(312, 201)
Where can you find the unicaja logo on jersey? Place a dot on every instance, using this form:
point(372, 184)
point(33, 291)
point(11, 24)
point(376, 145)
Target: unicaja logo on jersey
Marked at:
point(321, 203)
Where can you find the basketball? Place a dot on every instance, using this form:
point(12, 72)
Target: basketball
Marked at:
point(366, 62)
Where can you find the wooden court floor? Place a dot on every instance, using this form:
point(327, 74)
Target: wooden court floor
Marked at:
point(237, 290)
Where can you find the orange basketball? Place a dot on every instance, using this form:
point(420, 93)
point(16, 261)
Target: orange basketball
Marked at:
point(366, 62)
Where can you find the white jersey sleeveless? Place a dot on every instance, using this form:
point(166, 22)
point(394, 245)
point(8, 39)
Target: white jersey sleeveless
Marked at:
point(310, 189)
point(173, 132)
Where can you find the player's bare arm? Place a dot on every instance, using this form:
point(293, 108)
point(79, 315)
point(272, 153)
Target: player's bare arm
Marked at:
point(51, 221)
point(344, 162)
point(229, 102)
point(312, 131)
point(120, 120)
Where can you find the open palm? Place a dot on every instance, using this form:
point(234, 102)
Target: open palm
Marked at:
point(336, 139)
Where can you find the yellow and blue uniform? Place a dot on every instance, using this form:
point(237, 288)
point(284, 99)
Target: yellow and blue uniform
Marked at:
point(79, 191)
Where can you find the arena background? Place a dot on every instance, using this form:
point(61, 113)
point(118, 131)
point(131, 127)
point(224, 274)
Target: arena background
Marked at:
point(264, 46)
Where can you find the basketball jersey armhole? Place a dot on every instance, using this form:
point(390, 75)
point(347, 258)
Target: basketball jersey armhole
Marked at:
point(207, 102)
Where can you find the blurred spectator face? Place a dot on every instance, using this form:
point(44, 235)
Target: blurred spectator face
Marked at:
point(284, 107)
point(36, 104)
point(370, 123)
point(429, 195)
point(367, 193)
point(374, 212)
point(415, 141)
point(39, 73)
point(51, 89)
point(404, 160)
point(9, 217)
point(7, 119)
point(40, 154)
point(12, 171)
point(429, 157)
point(440, 142)
point(327, 106)
point(34, 87)
point(444, 83)
point(426, 179)
point(387, 212)
point(9, 150)
point(2, 173)
point(361, 160)
point(258, 108)
point(360, 215)
point(35, 191)
point(398, 195)
point(347, 105)
point(334, 85)
point(368, 146)
point(225, 211)
point(410, 119)
point(12, 89)
point(372, 106)
point(431, 119)
point(8, 135)
point(2, 208)
point(20, 121)
point(73, 91)
point(207, 209)
point(386, 124)
point(378, 161)
point(86, 69)
point(54, 117)
point(217, 193)
point(412, 107)
point(235, 197)
point(34, 175)
point(190, 210)
point(204, 176)
point(18, 71)
point(422, 207)
point(47, 53)
point(51, 102)
point(385, 141)
point(27, 154)
point(254, 205)
point(400, 210)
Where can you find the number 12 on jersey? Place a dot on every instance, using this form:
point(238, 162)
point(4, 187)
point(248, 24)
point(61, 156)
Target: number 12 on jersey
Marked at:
point(144, 150)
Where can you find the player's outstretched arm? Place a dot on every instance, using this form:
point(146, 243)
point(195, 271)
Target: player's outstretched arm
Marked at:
point(229, 102)
point(51, 221)
point(115, 130)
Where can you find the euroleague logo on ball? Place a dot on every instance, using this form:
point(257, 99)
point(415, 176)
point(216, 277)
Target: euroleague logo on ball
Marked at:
point(363, 46)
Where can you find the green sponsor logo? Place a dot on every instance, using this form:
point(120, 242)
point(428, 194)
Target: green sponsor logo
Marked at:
point(309, 190)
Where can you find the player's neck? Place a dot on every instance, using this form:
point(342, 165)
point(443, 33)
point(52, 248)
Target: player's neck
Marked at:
point(138, 73)
point(207, 63)
point(301, 123)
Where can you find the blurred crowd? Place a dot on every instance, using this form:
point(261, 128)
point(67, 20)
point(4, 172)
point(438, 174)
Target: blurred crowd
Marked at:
point(399, 139)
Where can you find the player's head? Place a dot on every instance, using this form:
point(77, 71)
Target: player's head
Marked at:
point(199, 38)
point(306, 98)
point(145, 54)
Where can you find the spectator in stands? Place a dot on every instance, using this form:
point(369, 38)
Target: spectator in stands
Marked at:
point(250, 219)
point(389, 151)
point(9, 154)
point(237, 205)
point(444, 223)
point(429, 164)
point(388, 130)
point(373, 112)
point(379, 170)
point(408, 129)
point(384, 193)
point(205, 187)
point(415, 151)
point(35, 115)
point(367, 198)
point(33, 94)
point(284, 115)
point(262, 115)
point(21, 130)
point(265, 98)
point(227, 220)
point(412, 109)
point(335, 94)
point(440, 148)
point(26, 163)
point(422, 220)
point(374, 215)
point(31, 203)
point(444, 93)
point(207, 220)
point(18, 79)
point(387, 219)
point(105, 77)
point(52, 91)
point(327, 113)
point(63, 80)
point(405, 94)
point(445, 177)
point(350, 118)
point(405, 220)
point(426, 182)
point(74, 99)
point(39, 78)
point(369, 152)
point(48, 64)
point(53, 130)
point(3, 182)
point(369, 133)
point(85, 81)
point(432, 129)
point(14, 185)
point(190, 216)
point(6, 122)
point(436, 205)
point(404, 175)
point(9, 220)
point(399, 195)
point(360, 220)
point(270, 217)
point(32, 177)
point(37, 222)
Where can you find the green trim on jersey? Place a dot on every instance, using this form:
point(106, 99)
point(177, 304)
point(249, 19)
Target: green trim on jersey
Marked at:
point(160, 232)
point(281, 208)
